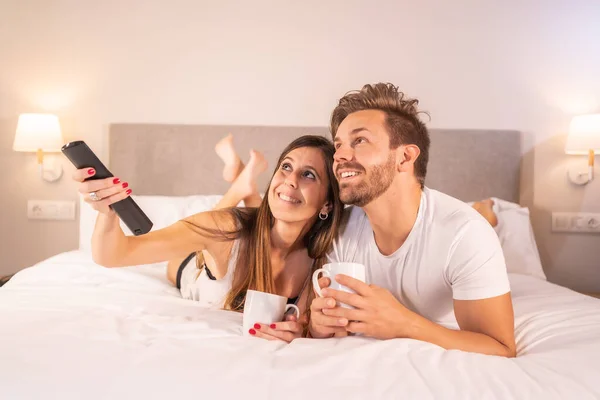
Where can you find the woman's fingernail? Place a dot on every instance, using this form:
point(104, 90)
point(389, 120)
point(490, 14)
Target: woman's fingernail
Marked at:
point(125, 185)
point(116, 180)
point(128, 191)
point(252, 332)
point(331, 303)
point(342, 322)
point(256, 326)
point(90, 171)
point(272, 326)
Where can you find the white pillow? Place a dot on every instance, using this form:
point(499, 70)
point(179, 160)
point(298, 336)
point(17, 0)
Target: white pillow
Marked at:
point(516, 237)
point(200, 203)
point(162, 211)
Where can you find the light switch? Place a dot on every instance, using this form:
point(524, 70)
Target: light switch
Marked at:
point(50, 209)
point(576, 222)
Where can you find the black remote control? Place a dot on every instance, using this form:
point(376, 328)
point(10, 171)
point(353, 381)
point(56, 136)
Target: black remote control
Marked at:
point(127, 209)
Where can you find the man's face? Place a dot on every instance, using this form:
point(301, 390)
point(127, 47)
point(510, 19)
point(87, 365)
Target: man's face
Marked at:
point(364, 164)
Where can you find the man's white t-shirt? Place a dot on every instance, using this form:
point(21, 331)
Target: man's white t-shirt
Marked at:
point(452, 252)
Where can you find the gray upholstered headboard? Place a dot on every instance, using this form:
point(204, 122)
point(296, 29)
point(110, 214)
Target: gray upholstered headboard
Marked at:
point(178, 160)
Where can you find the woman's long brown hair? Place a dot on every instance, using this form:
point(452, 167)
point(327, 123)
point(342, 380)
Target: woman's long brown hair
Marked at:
point(253, 265)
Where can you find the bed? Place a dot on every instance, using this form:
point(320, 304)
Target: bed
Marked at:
point(70, 329)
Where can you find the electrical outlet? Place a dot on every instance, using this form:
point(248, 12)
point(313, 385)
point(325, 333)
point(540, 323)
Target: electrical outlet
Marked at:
point(49, 209)
point(576, 222)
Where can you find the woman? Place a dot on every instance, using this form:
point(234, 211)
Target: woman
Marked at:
point(273, 248)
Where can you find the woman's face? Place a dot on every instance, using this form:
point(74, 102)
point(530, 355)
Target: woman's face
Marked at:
point(298, 190)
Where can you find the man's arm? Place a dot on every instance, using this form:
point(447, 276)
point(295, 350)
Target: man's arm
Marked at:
point(487, 327)
point(481, 292)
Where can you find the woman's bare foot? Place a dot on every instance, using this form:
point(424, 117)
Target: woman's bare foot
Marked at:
point(233, 164)
point(245, 184)
point(485, 208)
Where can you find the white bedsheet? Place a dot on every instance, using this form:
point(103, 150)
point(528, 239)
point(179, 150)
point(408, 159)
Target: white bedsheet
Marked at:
point(72, 330)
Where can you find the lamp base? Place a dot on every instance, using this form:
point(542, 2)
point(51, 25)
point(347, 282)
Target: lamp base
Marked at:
point(51, 169)
point(579, 176)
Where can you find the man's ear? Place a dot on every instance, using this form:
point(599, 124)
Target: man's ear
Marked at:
point(406, 155)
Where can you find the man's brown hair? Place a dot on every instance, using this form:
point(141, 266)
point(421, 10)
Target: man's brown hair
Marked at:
point(401, 117)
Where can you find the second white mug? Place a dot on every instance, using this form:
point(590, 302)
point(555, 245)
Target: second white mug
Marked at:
point(355, 270)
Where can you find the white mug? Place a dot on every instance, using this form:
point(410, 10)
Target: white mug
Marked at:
point(265, 308)
point(355, 270)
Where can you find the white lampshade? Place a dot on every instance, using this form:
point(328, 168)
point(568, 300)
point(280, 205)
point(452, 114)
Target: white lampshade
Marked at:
point(38, 131)
point(584, 135)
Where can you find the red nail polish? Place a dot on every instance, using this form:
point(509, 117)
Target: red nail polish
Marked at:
point(256, 326)
point(272, 326)
point(116, 180)
point(128, 191)
point(125, 185)
point(252, 332)
point(90, 171)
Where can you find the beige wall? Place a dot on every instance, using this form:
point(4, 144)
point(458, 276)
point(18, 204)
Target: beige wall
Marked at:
point(473, 65)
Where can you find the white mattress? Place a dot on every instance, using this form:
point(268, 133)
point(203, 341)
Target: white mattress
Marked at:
point(72, 330)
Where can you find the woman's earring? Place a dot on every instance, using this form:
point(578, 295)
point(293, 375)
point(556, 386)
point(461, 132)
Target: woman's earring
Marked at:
point(323, 216)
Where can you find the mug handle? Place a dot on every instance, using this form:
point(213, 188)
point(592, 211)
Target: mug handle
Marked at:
point(296, 310)
point(315, 280)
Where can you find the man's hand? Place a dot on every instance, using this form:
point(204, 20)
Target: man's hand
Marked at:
point(321, 325)
point(377, 313)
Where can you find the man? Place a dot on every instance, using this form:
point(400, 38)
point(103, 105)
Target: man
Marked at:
point(434, 264)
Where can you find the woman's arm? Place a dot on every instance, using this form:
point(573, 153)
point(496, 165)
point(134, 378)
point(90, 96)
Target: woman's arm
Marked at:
point(112, 248)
